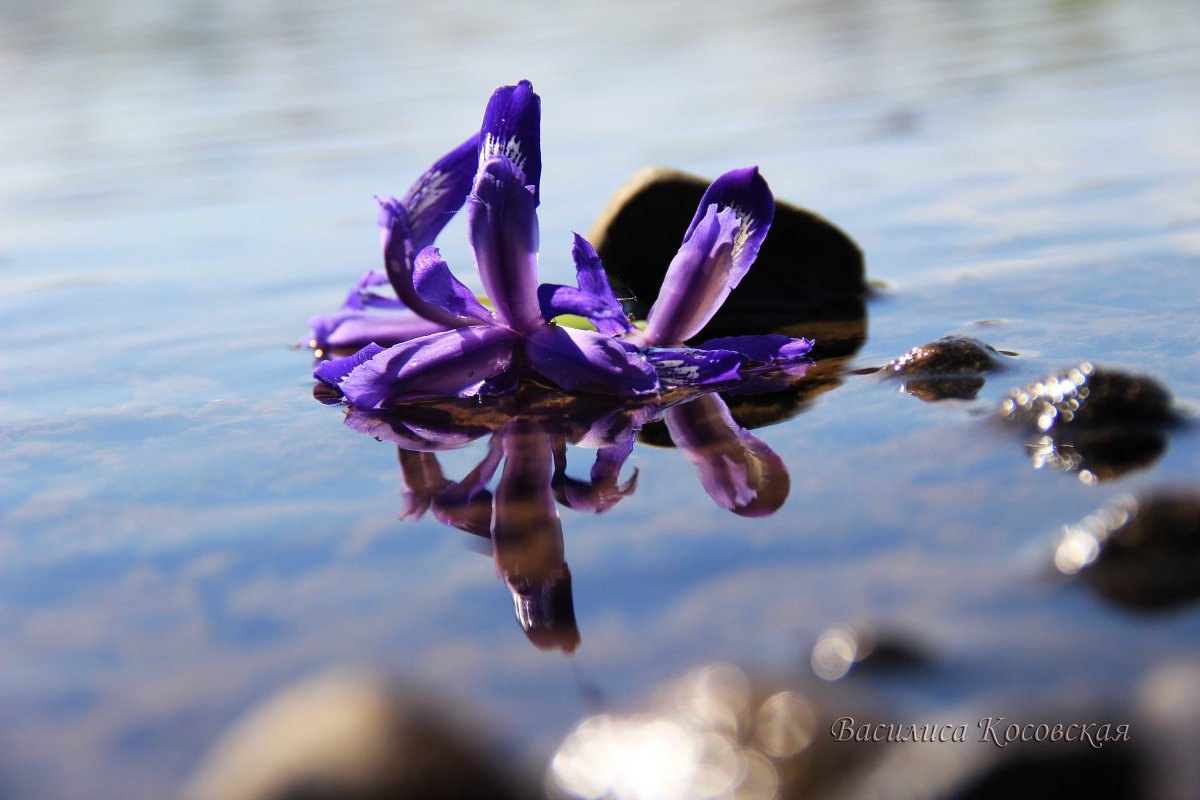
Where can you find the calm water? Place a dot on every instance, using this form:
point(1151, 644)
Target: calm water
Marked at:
point(185, 531)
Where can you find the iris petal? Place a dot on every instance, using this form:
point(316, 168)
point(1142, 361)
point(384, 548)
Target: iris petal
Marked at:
point(591, 278)
point(398, 255)
point(332, 372)
point(446, 364)
point(719, 247)
point(436, 196)
point(691, 366)
point(767, 348)
point(436, 283)
point(555, 299)
point(512, 129)
point(586, 361)
point(503, 231)
point(355, 328)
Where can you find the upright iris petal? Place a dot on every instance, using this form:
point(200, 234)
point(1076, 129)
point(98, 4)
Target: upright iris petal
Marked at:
point(512, 125)
point(718, 248)
point(503, 230)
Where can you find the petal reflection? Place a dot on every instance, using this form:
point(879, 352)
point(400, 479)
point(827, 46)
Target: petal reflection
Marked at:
point(738, 471)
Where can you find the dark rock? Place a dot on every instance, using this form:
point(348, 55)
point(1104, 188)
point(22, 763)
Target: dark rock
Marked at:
point(1143, 554)
point(808, 279)
point(947, 357)
point(951, 368)
point(1087, 396)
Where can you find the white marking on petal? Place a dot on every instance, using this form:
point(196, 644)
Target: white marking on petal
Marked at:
point(426, 194)
point(509, 148)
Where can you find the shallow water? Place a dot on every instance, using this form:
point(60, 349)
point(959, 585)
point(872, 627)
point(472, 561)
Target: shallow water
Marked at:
point(185, 530)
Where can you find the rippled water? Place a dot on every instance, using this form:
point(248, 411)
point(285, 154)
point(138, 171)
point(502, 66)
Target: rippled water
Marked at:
point(185, 530)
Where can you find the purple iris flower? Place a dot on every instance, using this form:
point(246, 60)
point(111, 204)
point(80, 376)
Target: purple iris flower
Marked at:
point(408, 225)
point(718, 249)
point(485, 350)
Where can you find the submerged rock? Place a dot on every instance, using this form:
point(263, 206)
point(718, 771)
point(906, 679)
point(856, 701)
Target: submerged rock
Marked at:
point(1096, 422)
point(951, 368)
point(1139, 553)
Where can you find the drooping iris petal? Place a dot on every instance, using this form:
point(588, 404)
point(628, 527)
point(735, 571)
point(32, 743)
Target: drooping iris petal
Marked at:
point(437, 195)
point(691, 366)
point(603, 491)
point(355, 328)
point(556, 299)
point(591, 278)
point(436, 283)
point(512, 125)
point(720, 245)
point(766, 348)
point(467, 504)
point(398, 255)
point(333, 371)
point(738, 471)
point(586, 361)
point(446, 364)
point(503, 231)
point(527, 539)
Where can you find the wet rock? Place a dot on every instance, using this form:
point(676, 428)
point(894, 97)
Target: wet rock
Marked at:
point(347, 736)
point(864, 649)
point(951, 368)
point(1139, 553)
point(1087, 396)
point(808, 279)
point(1097, 422)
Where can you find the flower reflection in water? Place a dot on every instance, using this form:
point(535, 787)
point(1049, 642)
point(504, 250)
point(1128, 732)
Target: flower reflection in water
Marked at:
point(511, 496)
